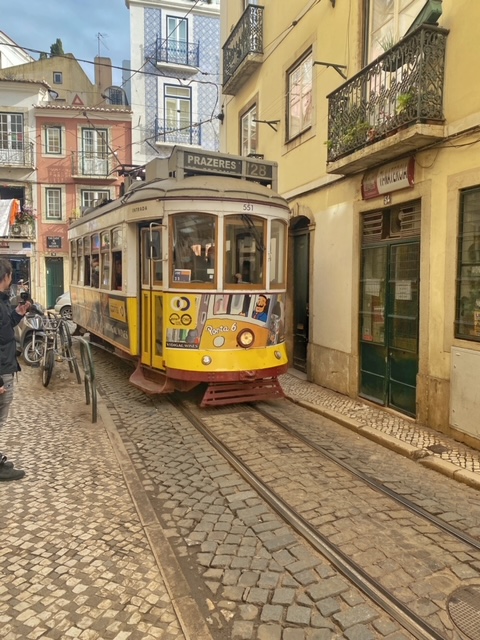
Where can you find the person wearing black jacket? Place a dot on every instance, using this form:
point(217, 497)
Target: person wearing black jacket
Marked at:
point(9, 366)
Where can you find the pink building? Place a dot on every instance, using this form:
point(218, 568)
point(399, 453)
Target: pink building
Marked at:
point(80, 152)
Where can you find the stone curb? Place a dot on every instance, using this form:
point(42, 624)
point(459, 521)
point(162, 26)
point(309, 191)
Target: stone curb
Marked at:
point(190, 617)
point(422, 456)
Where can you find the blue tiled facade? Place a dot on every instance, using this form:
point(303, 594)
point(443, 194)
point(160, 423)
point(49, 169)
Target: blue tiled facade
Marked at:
point(205, 85)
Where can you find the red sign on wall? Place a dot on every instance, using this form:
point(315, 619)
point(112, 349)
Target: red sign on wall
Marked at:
point(390, 177)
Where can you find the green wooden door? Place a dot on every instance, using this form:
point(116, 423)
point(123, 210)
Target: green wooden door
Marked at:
point(301, 259)
point(389, 325)
point(55, 286)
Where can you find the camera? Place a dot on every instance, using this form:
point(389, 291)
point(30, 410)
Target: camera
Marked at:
point(24, 297)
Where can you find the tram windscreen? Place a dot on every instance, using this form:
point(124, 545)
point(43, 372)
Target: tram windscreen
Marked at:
point(244, 249)
point(194, 247)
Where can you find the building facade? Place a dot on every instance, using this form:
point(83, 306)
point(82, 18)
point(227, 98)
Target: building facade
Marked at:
point(176, 89)
point(369, 110)
point(75, 139)
point(18, 173)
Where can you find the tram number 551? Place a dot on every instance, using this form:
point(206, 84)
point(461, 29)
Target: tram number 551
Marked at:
point(247, 206)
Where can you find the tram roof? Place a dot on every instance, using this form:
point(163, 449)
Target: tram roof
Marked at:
point(204, 187)
point(191, 188)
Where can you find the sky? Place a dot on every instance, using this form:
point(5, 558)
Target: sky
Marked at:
point(38, 23)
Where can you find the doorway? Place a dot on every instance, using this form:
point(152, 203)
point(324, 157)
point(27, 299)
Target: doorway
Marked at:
point(55, 287)
point(389, 307)
point(301, 284)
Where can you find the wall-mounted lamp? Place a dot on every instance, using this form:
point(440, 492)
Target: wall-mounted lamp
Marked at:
point(221, 116)
point(337, 67)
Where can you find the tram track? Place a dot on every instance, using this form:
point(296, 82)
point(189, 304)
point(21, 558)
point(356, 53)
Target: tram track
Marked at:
point(357, 574)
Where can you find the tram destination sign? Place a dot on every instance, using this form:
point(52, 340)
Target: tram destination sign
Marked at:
point(196, 163)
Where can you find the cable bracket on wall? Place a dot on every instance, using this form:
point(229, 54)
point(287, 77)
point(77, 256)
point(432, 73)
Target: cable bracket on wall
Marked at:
point(337, 67)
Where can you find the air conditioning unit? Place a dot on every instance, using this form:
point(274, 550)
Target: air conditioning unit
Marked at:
point(16, 230)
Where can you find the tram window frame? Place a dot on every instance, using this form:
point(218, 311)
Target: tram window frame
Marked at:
point(73, 252)
point(117, 259)
point(87, 244)
point(242, 248)
point(105, 262)
point(95, 262)
point(277, 252)
point(193, 233)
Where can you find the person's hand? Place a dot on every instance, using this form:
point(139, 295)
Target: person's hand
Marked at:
point(22, 309)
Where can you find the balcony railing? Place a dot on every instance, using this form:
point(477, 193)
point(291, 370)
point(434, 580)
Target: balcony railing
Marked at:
point(243, 51)
point(90, 164)
point(401, 88)
point(179, 135)
point(16, 154)
point(175, 52)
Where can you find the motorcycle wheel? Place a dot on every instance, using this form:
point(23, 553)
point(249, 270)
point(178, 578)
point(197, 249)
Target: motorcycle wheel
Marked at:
point(33, 354)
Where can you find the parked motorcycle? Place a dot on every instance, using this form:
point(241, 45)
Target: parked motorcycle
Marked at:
point(30, 336)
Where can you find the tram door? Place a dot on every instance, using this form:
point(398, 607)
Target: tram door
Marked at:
point(301, 260)
point(389, 310)
point(151, 322)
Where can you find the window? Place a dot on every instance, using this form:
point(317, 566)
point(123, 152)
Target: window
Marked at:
point(300, 97)
point(53, 140)
point(278, 246)
point(177, 40)
point(248, 132)
point(177, 110)
point(193, 235)
point(11, 131)
point(94, 152)
point(92, 198)
point(57, 77)
point(53, 204)
point(387, 22)
point(244, 250)
point(467, 321)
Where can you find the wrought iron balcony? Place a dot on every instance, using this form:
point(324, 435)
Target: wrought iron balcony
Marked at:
point(174, 53)
point(179, 135)
point(16, 154)
point(392, 106)
point(90, 164)
point(243, 50)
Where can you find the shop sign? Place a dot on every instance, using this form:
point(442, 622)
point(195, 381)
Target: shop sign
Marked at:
point(390, 177)
point(54, 242)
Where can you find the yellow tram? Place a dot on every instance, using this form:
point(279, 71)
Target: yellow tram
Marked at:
point(185, 274)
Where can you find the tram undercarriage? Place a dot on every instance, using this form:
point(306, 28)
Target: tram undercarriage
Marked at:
point(227, 388)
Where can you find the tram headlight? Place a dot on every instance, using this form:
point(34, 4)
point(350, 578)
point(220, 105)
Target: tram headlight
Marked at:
point(206, 360)
point(246, 338)
point(278, 355)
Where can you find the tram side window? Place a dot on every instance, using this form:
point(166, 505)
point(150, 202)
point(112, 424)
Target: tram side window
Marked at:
point(81, 264)
point(105, 260)
point(244, 249)
point(193, 237)
point(95, 271)
point(117, 271)
point(277, 253)
point(156, 253)
point(73, 252)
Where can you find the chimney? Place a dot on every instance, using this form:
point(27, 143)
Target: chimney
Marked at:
point(103, 73)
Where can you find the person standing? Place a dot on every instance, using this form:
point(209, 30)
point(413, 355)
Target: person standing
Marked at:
point(9, 366)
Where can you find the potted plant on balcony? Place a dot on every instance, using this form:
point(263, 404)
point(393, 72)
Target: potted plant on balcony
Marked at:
point(24, 221)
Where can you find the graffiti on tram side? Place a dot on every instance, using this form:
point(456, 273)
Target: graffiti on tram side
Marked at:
point(204, 321)
point(104, 315)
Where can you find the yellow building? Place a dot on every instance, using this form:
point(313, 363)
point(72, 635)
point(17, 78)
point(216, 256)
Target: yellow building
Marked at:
point(370, 109)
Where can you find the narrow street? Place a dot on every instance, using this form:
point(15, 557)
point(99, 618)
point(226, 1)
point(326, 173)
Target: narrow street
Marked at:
point(136, 527)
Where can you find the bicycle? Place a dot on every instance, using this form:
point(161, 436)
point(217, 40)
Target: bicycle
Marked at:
point(57, 346)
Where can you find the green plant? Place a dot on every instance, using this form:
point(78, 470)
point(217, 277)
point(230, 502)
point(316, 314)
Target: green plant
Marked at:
point(404, 100)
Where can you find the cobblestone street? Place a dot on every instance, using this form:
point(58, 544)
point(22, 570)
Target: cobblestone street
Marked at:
point(136, 528)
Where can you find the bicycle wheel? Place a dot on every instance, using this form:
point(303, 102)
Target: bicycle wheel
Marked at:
point(67, 350)
point(47, 366)
point(33, 351)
